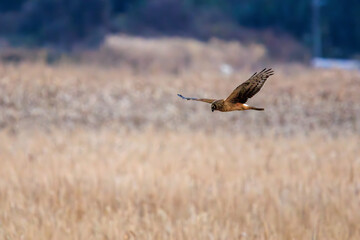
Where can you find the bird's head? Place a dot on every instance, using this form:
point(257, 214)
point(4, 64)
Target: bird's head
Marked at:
point(216, 105)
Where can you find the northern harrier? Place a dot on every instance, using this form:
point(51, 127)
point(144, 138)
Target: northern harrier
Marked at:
point(238, 98)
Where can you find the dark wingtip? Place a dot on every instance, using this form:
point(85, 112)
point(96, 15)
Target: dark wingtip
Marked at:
point(182, 96)
point(270, 71)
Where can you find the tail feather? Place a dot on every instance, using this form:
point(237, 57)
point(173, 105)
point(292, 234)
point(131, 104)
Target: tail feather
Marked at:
point(257, 109)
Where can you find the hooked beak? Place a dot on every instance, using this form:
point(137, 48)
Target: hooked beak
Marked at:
point(212, 110)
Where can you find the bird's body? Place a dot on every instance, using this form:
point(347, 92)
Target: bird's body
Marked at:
point(226, 106)
point(237, 99)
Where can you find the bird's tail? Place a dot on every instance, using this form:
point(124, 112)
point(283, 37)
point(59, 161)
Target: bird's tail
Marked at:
point(256, 108)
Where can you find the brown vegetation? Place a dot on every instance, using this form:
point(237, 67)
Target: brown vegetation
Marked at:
point(166, 185)
point(95, 152)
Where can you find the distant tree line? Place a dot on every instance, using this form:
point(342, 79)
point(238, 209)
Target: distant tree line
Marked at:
point(68, 23)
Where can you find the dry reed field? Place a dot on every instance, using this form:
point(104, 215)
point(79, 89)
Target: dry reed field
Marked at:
point(104, 149)
point(166, 185)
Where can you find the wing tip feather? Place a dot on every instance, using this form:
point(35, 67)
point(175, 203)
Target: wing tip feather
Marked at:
point(267, 71)
point(181, 96)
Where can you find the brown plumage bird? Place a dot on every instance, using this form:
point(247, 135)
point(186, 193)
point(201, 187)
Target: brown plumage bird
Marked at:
point(237, 99)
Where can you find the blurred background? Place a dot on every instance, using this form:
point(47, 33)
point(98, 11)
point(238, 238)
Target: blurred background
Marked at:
point(95, 143)
point(286, 28)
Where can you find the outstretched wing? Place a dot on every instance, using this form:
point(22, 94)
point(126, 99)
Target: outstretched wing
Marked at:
point(249, 88)
point(198, 99)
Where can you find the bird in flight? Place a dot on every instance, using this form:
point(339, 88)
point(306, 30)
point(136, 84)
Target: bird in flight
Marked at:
point(237, 99)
